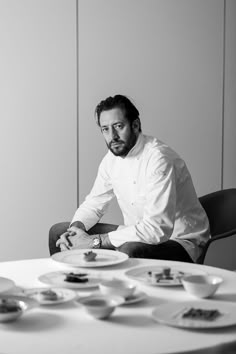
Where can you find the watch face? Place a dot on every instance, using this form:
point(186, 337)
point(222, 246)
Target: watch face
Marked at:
point(96, 243)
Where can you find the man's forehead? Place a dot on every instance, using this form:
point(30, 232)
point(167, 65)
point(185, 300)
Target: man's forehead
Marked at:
point(112, 116)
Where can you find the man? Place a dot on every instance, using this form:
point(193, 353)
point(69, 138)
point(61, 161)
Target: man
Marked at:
point(163, 218)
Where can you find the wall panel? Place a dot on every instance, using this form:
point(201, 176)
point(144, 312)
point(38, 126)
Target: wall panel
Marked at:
point(229, 172)
point(222, 253)
point(38, 122)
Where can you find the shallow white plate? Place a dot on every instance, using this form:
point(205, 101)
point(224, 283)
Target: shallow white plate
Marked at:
point(141, 274)
point(64, 295)
point(58, 279)
point(171, 314)
point(6, 284)
point(136, 297)
point(75, 258)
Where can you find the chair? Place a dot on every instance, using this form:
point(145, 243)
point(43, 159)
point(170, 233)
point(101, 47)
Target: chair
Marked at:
point(220, 208)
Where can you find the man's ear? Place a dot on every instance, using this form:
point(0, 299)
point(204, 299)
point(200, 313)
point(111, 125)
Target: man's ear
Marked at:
point(136, 125)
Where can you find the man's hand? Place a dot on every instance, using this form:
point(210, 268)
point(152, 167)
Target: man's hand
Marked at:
point(74, 238)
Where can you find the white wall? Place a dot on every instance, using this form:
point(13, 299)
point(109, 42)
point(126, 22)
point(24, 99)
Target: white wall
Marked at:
point(229, 176)
point(38, 122)
point(167, 56)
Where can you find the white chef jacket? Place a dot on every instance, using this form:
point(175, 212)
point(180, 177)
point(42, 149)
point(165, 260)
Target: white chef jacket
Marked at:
point(155, 193)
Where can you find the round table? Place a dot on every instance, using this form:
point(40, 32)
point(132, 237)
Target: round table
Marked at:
point(67, 329)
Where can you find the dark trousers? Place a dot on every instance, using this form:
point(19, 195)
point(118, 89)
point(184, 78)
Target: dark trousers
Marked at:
point(169, 250)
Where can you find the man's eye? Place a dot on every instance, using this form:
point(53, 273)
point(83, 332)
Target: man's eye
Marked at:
point(119, 126)
point(104, 130)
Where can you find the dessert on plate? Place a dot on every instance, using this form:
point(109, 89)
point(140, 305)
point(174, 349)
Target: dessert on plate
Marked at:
point(90, 256)
point(76, 277)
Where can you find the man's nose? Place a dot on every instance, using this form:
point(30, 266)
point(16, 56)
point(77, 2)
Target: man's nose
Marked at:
point(114, 134)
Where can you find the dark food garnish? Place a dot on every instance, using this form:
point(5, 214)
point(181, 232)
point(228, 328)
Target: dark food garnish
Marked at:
point(9, 306)
point(200, 314)
point(164, 275)
point(76, 278)
point(90, 256)
point(49, 294)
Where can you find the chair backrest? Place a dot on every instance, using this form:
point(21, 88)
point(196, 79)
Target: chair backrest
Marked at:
point(220, 208)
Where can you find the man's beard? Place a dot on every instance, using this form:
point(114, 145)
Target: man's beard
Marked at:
point(120, 148)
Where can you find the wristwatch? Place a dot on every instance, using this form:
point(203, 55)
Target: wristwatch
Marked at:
point(97, 242)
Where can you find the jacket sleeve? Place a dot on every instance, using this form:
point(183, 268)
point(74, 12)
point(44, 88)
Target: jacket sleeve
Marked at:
point(96, 203)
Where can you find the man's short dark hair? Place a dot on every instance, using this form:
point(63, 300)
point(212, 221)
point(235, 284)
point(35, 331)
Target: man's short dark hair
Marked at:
point(118, 101)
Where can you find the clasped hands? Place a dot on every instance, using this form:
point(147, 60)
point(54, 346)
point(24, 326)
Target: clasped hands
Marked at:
point(74, 238)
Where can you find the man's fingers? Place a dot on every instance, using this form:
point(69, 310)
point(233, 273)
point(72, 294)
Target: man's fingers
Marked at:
point(71, 233)
point(63, 247)
point(75, 231)
point(63, 239)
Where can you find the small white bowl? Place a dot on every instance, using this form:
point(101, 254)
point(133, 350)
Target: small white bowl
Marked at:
point(12, 307)
point(201, 285)
point(100, 306)
point(117, 287)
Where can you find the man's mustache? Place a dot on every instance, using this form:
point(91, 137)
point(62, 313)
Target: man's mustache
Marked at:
point(115, 142)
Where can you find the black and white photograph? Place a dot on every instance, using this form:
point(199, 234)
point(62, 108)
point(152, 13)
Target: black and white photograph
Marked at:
point(118, 178)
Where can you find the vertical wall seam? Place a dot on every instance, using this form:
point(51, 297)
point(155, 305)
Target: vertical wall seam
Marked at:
point(223, 98)
point(77, 100)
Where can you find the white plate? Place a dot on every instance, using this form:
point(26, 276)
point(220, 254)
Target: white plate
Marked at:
point(58, 279)
point(141, 274)
point(171, 314)
point(136, 297)
point(6, 284)
point(75, 258)
point(64, 295)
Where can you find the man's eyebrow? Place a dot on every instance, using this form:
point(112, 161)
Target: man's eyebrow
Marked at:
point(107, 125)
point(119, 122)
point(104, 127)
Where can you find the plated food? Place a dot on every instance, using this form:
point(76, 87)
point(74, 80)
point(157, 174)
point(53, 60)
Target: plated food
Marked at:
point(88, 259)
point(12, 306)
point(196, 314)
point(90, 256)
point(137, 296)
point(76, 277)
point(51, 296)
point(159, 276)
point(165, 275)
point(201, 314)
point(73, 280)
point(9, 305)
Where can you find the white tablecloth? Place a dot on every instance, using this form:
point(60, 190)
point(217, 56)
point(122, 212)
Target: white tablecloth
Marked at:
point(67, 329)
